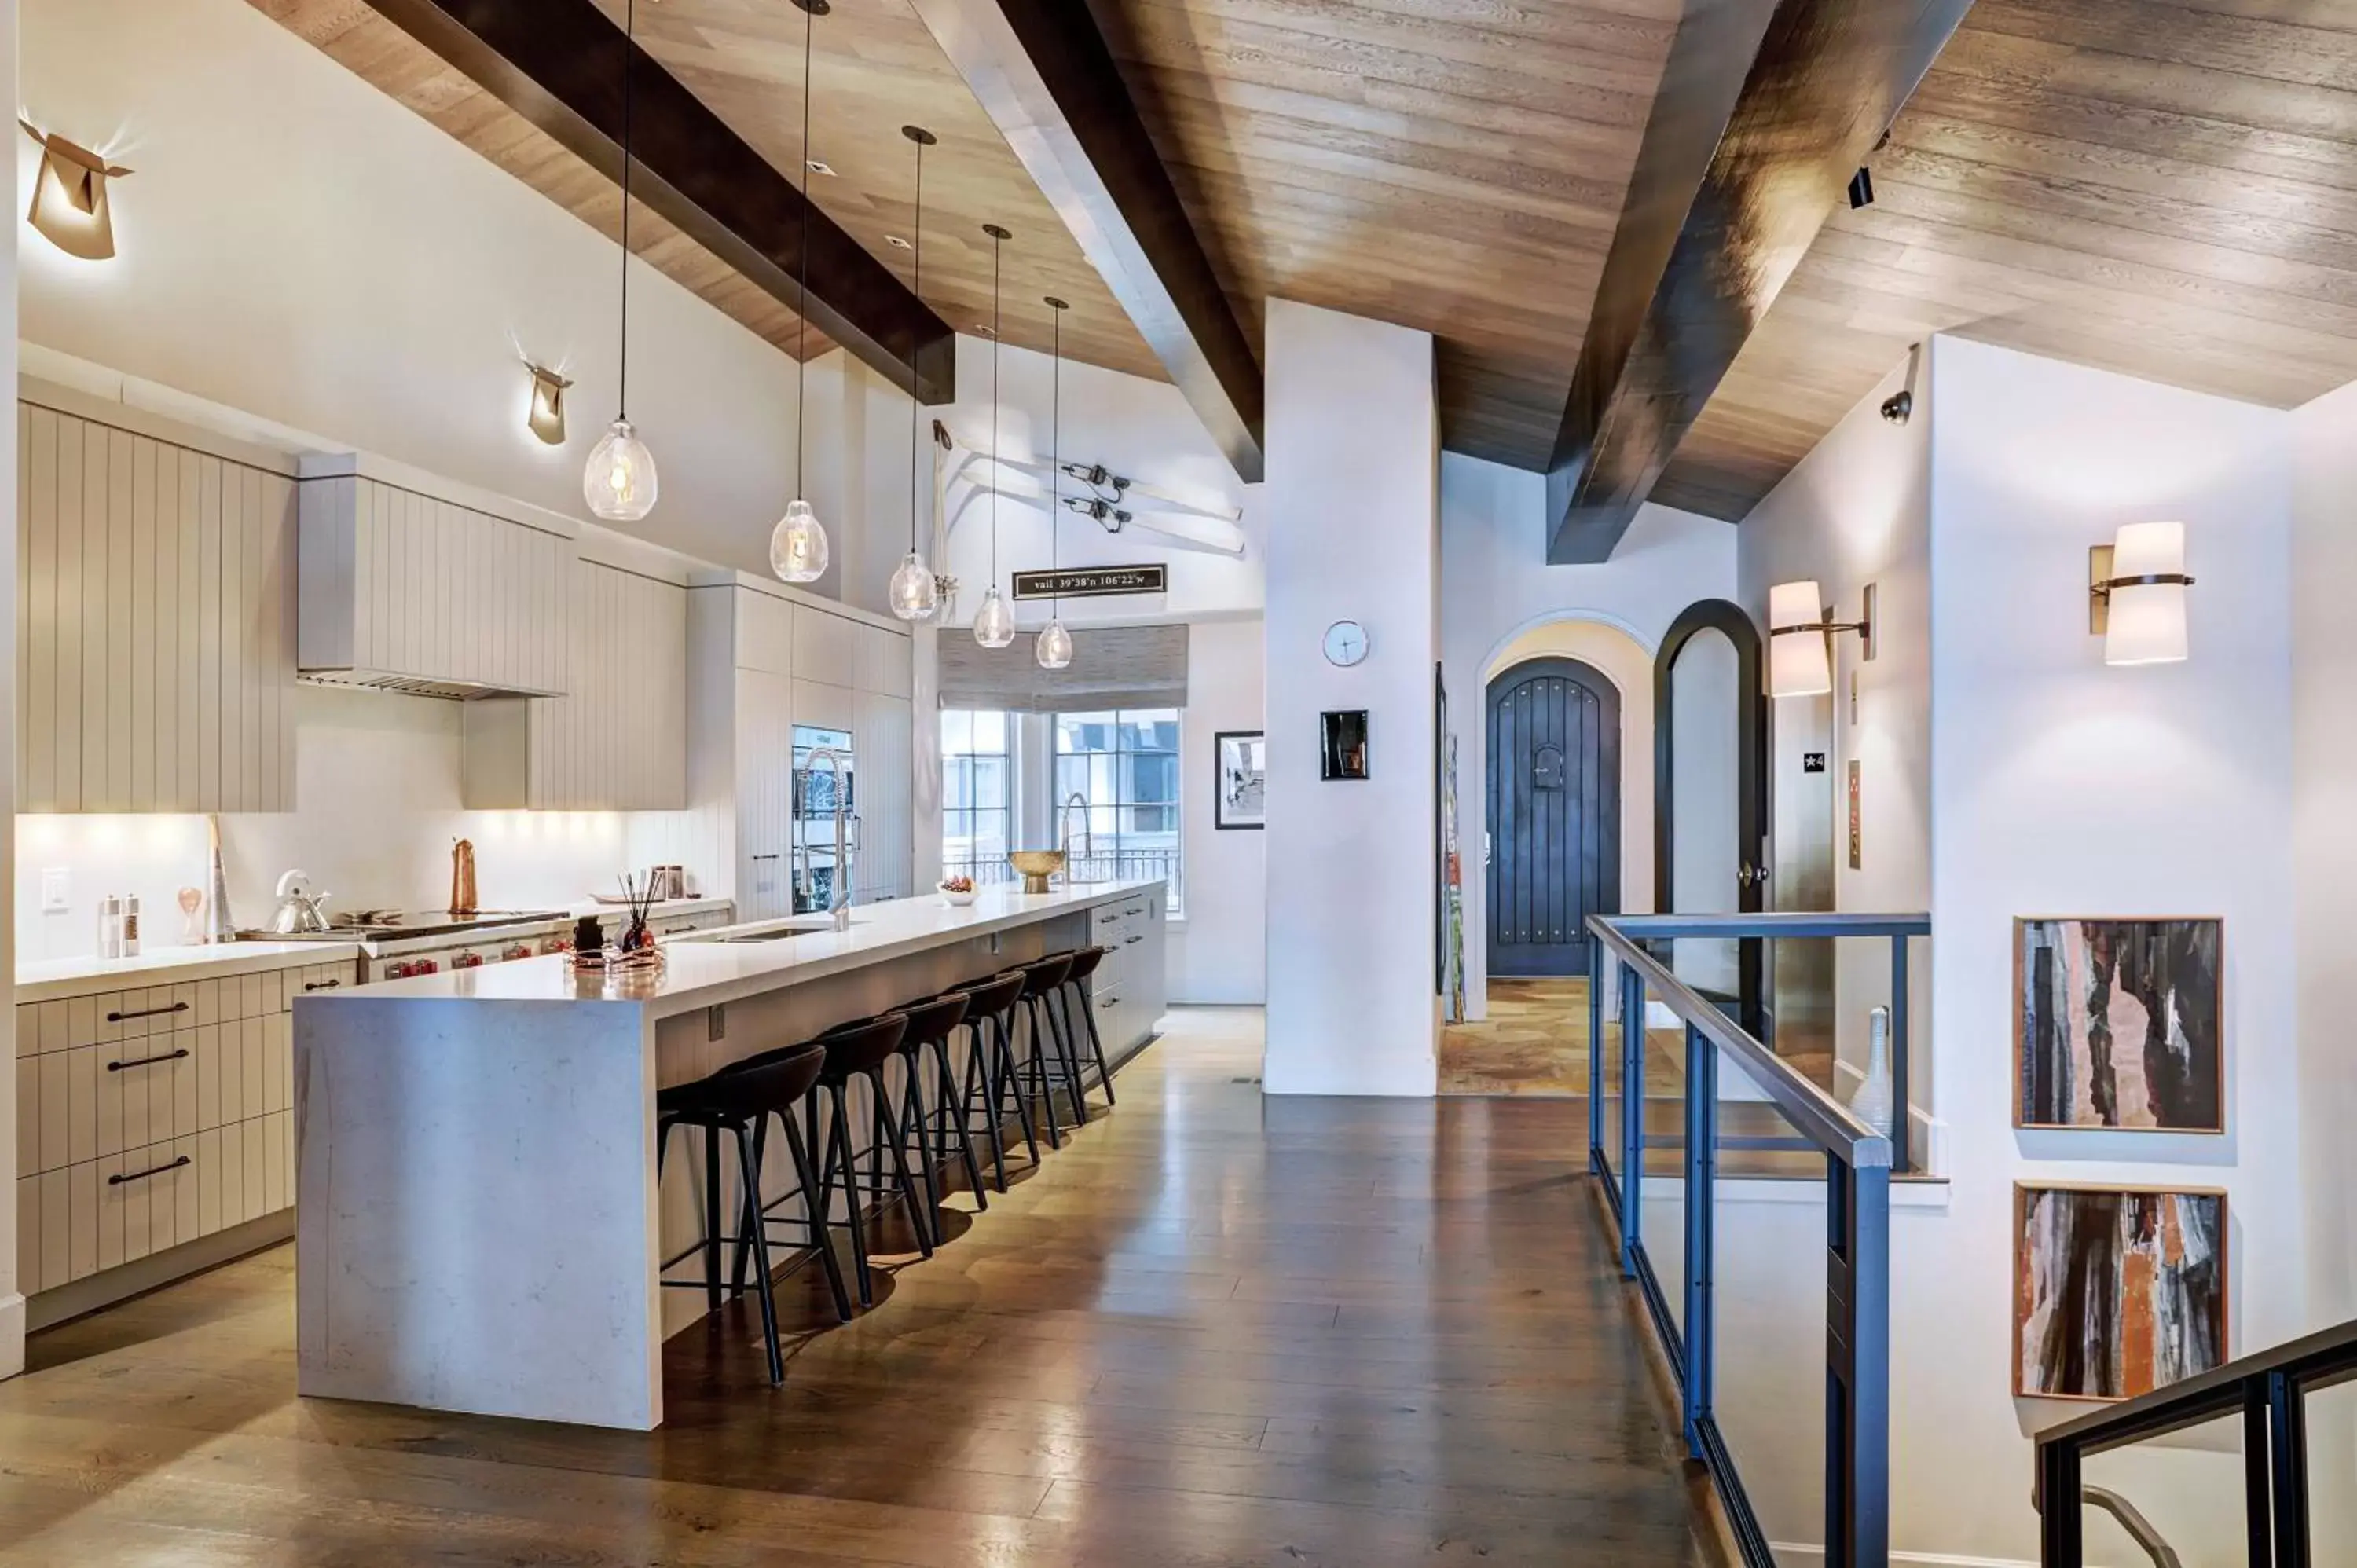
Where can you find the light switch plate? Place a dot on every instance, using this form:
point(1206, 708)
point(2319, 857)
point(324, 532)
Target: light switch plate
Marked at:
point(57, 890)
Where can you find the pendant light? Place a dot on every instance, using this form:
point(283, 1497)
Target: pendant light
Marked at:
point(1054, 647)
point(619, 482)
point(797, 544)
point(994, 623)
point(914, 595)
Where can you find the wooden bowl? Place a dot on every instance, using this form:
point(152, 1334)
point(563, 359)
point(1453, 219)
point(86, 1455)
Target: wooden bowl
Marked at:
point(1037, 866)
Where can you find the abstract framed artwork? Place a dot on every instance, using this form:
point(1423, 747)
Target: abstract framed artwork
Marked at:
point(1242, 759)
point(2117, 1291)
point(2119, 1024)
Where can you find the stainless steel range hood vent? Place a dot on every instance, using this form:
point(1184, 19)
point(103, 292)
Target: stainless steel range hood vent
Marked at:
point(420, 587)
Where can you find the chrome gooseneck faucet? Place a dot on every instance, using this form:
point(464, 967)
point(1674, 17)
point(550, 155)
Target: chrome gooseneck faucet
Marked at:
point(839, 899)
point(1064, 840)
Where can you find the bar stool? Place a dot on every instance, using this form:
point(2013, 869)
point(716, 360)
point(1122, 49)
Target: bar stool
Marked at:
point(991, 1080)
point(1051, 1061)
point(1076, 983)
point(739, 1101)
point(930, 1026)
point(861, 1049)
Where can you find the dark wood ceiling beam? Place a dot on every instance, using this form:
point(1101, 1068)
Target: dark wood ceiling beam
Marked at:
point(1766, 109)
point(1043, 71)
point(558, 64)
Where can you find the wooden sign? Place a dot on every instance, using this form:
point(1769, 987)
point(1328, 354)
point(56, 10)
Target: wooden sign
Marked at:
point(1091, 582)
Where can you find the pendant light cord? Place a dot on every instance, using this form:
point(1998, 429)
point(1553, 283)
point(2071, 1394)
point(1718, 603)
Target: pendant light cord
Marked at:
point(802, 280)
point(917, 288)
point(630, 49)
point(1056, 470)
point(995, 335)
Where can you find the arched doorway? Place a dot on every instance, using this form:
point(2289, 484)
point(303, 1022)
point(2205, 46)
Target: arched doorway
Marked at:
point(1553, 769)
point(1710, 757)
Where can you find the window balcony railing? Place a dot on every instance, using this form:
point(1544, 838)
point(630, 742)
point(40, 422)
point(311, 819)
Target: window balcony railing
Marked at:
point(1081, 870)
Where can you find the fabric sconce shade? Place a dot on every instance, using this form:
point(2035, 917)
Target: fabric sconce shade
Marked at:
point(72, 207)
point(545, 416)
point(2142, 595)
point(1800, 652)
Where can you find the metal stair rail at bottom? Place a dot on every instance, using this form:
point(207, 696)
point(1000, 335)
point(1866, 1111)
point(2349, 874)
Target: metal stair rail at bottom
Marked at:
point(1857, 1244)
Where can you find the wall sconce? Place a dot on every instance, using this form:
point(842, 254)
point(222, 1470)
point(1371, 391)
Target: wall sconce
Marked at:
point(69, 200)
point(1801, 628)
point(2136, 594)
point(546, 417)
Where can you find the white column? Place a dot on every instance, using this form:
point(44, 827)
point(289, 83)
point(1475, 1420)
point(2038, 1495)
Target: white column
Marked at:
point(1352, 501)
point(12, 1301)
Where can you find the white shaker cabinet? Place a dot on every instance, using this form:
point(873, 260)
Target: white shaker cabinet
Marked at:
point(156, 613)
point(618, 739)
point(884, 750)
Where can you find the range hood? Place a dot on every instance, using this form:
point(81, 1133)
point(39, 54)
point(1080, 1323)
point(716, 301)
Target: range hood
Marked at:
point(421, 587)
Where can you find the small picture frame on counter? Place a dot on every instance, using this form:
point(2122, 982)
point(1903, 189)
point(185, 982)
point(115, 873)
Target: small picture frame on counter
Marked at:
point(1343, 743)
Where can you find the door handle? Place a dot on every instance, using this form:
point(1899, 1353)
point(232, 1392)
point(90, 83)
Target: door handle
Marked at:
point(1752, 876)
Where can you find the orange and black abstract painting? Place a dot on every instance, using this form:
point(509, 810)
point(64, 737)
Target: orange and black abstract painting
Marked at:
point(2118, 1025)
point(2115, 1292)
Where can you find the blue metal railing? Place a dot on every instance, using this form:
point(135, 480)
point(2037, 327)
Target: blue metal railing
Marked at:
point(1859, 1164)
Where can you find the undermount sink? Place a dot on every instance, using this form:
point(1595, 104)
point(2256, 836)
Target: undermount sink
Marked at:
point(799, 926)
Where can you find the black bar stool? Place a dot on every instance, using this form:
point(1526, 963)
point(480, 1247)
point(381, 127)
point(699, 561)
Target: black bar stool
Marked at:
point(930, 1024)
point(1076, 988)
point(991, 1081)
point(862, 1049)
point(1051, 1061)
point(738, 1101)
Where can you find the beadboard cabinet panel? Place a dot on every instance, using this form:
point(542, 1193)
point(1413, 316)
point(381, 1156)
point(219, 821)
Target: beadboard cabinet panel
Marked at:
point(155, 618)
point(618, 739)
point(826, 647)
point(883, 744)
point(402, 588)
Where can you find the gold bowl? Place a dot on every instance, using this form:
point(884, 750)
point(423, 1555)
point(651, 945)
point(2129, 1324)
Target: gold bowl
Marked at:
point(1037, 866)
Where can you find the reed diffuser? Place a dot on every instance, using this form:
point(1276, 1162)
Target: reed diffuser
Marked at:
point(637, 948)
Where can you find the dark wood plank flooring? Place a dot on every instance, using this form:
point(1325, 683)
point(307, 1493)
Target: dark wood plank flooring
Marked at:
point(1214, 1330)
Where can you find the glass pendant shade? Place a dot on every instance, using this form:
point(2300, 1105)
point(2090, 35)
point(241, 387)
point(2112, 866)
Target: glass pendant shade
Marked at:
point(1800, 660)
point(914, 593)
point(2146, 620)
point(994, 623)
point(1054, 648)
point(797, 544)
point(619, 482)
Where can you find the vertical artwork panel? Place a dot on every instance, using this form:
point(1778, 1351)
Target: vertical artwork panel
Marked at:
point(2116, 1293)
point(2119, 1024)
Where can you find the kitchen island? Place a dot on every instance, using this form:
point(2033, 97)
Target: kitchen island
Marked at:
point(482, 1221)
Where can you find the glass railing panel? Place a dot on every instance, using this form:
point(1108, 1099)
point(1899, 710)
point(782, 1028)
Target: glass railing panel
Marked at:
point(1608, 1058)
point(2181, 1493)
point(2331, 1413)
point(1768, 1207)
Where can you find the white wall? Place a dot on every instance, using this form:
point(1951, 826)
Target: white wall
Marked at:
point(12, 1303)
point(1856, 510)
point(298, 245)
point(379, 780)
point(1218, 952)
point(1496, 588)
point(2062, 786)
point(1352, 492)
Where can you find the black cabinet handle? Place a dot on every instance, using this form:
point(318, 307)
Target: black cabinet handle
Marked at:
point(147, 1012)
point(149, 1061)
point(120, 1177)
point(321, 984)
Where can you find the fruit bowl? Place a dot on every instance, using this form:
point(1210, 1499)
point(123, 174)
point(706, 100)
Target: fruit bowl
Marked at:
point(957, 892)
point(1037, 866)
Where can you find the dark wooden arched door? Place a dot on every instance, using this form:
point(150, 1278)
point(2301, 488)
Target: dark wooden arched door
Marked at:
point(1554, 766)
point(1748, 724)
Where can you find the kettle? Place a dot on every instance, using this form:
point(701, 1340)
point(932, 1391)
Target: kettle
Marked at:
point(301, 912)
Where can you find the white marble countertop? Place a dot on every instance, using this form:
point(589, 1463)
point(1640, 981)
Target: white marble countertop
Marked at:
point(705, 970)
point(44, 980)
point(697, 906)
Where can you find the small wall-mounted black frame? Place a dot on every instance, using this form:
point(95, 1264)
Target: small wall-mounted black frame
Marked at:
point(1343, 743)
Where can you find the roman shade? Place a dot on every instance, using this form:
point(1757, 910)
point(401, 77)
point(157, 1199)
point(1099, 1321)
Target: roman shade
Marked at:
point(1111, 667)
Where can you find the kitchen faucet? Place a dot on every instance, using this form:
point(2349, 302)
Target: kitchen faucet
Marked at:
point(839, 894)
point(1063, 840)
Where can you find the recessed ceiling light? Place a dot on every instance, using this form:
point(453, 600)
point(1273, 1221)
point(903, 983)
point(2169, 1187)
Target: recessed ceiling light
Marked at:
point(819, 165)
point(897, 243)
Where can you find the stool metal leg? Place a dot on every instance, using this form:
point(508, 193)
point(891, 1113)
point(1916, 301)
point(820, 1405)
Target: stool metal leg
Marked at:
point(888, 1131)
point(839, 1147)
point(764, 1287)
point(912, 1120)
point(712, 1234)
point(813, 1203)
point(1059, 1030)
point(1096, 1043)
point(1038, 1064)
point(953, 1120)
point(1005, 1080)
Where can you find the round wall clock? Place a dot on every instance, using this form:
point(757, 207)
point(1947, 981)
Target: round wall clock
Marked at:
point(1345, 643)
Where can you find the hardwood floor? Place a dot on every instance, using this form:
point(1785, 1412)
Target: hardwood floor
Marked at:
point(1534, 1042)
point(1214, 1329)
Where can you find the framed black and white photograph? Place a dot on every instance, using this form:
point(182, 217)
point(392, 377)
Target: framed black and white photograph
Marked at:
point(1241, 798)
point(2119, 1024)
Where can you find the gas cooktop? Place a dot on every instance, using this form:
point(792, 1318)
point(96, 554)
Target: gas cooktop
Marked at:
point(388, 925)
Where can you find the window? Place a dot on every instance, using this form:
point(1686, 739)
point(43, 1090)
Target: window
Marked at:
point(977, 795)
point(1124, 764)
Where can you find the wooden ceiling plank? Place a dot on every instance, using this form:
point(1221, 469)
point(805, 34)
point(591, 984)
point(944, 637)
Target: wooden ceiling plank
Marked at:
point(556, 67)
point(1763, 116)
point(1042, 70)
